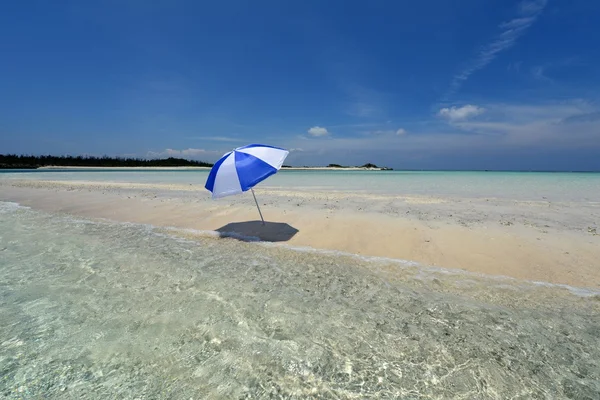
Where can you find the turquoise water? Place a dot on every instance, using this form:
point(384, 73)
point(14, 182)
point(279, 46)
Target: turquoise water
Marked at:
point(99, 310)
point(512, 185)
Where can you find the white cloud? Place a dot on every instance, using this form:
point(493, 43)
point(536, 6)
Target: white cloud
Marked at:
point(529, 10)
point(461, 113)
point(317, 131)
point(541, 125)
point(572, 125)
point(193, 152)
point(401, 132)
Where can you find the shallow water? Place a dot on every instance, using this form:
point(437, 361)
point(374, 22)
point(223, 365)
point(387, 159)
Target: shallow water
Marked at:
point(94, 309)
point(576, 187)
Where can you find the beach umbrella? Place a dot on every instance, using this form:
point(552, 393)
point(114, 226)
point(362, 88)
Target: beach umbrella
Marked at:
point(243, 168)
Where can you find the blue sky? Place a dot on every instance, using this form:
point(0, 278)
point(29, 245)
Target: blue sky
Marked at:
point(434, 84)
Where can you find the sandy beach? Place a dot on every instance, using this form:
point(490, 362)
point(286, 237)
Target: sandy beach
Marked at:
point(137, 284)
point(545, 241)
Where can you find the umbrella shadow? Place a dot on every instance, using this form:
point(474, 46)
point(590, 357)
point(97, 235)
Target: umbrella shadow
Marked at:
point(250, 231)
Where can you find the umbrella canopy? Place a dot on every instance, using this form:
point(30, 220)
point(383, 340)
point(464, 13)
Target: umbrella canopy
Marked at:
point(241, 169)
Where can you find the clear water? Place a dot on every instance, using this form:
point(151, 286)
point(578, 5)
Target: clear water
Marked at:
point(576, 187)
point(99, 310)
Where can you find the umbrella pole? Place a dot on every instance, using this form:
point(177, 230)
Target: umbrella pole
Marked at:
point(261, 217)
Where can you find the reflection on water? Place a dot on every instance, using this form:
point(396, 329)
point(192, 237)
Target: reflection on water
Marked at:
point(102, 310)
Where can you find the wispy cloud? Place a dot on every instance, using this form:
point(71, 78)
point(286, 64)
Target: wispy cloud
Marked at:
point(538, 72)
point(185, 153)
point(318, 131)
point(506, 128)
point(539, 126)
point(541, 72)
point(531, 6)
point(216, 138)
point(388, 132)
point(583, 118)
point(514, 66)
point(460, 113)
point(349, 68)
point(528, 12)
point(356, 126)
point(363, 110)
point(360, 100)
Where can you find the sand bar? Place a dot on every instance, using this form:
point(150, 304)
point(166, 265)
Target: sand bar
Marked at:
point(539, 241)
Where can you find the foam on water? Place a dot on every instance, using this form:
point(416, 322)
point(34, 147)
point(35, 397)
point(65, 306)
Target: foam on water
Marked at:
point(109, 310)
point(425, 271)
point(8, 206)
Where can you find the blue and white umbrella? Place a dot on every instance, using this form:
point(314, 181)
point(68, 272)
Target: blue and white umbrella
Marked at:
point(241, 169)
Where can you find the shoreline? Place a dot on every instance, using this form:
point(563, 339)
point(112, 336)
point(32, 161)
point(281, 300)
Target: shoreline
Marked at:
point(94, 307)
point(470, 237)
point(58, 167)
point(499, 280)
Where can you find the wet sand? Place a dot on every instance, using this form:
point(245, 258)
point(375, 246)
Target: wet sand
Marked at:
point(555, 242)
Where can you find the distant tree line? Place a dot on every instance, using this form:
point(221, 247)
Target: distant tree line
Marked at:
point(13, 161)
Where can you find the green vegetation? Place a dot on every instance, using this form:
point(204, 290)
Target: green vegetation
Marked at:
point(12, 161)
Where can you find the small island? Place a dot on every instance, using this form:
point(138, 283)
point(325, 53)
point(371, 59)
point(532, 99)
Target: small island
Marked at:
point(365, 167)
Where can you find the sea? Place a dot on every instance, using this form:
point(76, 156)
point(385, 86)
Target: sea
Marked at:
point(552, 186)
point(97, 309)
